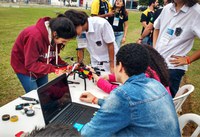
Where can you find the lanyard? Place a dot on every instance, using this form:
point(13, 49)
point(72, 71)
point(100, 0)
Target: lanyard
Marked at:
point(50, 39)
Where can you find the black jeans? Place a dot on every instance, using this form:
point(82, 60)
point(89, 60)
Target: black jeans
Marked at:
point(175, 76)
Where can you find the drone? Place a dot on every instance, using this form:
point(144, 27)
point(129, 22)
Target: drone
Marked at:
point(84, 72)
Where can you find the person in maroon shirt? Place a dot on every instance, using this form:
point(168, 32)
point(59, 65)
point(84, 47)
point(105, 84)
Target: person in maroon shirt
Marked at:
point(35, 51)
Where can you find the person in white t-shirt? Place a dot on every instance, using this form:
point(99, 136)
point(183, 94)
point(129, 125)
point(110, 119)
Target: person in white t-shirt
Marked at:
point(99, 39)
point(175, 30)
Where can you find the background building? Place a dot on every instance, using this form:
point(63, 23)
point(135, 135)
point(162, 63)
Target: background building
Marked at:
point(130, 4)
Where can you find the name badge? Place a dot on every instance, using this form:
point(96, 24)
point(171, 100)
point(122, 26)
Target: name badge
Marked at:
point(170, 31)
point(116, 21)
point(167, 36)
point(82, 41)
point(106, 13)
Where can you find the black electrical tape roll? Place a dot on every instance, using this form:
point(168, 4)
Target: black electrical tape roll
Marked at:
point(5, 117)
point(19, 107)
point(30, 113)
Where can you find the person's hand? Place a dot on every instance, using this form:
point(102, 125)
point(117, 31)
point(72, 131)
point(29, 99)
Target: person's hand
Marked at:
point(68, 69)
point(59, 71)
point(94, 75)
point(110, 14)
point(139, 41)
point(75, 66)
point(89, 98)
point(90, 68)
point(123, 40)
point(111, 69)
point(178, 60)
point(106, 77)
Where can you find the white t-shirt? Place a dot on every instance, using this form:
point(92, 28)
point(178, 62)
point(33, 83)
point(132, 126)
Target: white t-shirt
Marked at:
point(177, 31)
point(99, 33)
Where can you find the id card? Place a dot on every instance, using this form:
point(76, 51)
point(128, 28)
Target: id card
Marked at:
point(116, 21)
point(82, 41)
point(167, 36)
point(106, 13)
point(170, 31)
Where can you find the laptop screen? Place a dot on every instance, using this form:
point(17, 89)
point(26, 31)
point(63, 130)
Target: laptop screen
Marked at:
point(54, 97)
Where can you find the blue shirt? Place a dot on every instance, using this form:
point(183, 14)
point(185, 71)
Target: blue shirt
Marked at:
point(140, 107)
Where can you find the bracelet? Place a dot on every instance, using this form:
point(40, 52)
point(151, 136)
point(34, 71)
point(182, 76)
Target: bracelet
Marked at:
point(188, 60)
point(93, 100)
point(140, 39)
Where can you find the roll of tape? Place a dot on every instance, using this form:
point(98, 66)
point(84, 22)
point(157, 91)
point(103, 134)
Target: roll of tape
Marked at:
point(6, 117)
point(14, 118)
point(30, 113)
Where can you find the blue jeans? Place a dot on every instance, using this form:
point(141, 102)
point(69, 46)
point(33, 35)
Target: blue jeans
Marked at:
point(118, 38)
point(147, 40)
point(30, 83)
point(175, 76)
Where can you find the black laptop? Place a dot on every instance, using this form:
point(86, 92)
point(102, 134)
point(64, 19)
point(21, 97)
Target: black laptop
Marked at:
point(57, 106)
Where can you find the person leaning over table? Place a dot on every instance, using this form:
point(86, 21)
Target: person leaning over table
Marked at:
point(35, 51)
point(174, 34)
point(100, 39)
point(139, 107)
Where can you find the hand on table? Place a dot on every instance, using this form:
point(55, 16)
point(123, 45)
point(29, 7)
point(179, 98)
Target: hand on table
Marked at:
point(89, 98)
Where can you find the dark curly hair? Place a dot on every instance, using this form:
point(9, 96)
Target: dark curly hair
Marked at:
point(55, 131)
point(150, 2)
point(189, 3)
point(158, 64)
point(134, 58)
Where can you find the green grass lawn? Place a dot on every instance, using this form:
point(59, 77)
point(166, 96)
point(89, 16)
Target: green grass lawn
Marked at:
point(13, 20)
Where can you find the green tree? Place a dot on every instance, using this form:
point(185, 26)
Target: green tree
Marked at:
point(145, 2)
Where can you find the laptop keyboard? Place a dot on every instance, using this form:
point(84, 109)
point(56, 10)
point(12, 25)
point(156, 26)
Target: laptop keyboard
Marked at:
point(70, 115)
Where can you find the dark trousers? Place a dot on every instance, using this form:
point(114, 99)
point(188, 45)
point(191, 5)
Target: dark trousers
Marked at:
point(175, 76)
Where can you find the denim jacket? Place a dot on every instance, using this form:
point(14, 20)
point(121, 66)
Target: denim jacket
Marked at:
point(141, 107)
